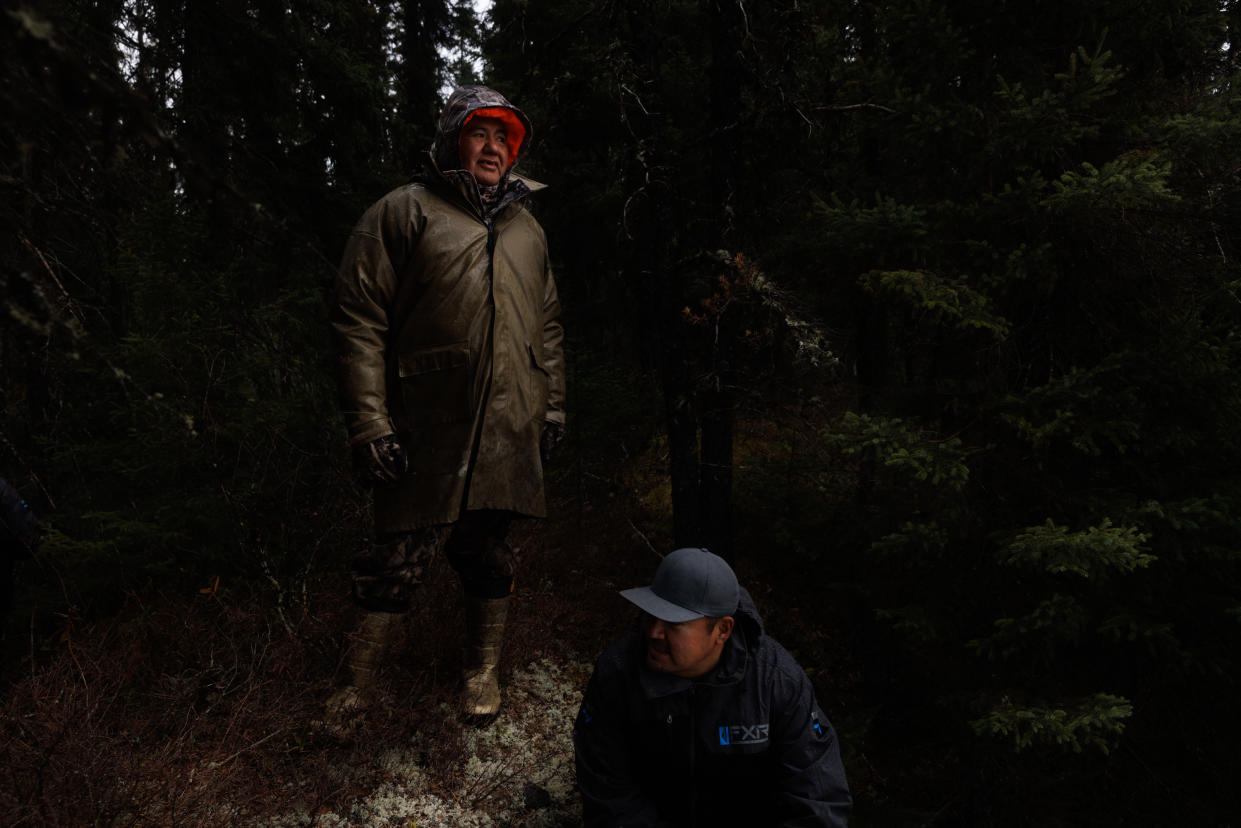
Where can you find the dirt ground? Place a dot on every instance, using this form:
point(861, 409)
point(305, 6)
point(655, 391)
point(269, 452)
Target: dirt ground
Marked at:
point(195, 707)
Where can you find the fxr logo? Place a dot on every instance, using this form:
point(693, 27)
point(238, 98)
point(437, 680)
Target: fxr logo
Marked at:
point(743, 734)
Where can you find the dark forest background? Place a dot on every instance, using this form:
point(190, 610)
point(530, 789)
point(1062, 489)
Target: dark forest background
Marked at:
point(925, 312)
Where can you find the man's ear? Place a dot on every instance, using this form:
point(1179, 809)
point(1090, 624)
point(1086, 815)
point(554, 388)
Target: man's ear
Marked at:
point(724, 628)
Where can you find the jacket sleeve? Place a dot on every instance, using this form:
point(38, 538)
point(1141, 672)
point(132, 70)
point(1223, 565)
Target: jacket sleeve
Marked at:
point(553, 352)
point(611, 797)
point(365, 287)
point(810, 778)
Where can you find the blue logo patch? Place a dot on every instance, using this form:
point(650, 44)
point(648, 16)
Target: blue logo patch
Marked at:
point(743, 734)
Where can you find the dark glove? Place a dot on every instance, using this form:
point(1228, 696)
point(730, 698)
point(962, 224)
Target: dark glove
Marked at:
point(550, 440)
point(381, 462)
point(19, 531)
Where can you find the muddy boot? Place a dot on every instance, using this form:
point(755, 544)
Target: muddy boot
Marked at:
point(484, 633)
point(366, 653)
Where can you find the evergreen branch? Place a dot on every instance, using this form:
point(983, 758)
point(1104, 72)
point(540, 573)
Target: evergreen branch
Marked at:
point(1092, 722)
point(1091, 554)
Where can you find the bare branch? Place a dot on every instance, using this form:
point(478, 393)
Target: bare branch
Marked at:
point(847, 107)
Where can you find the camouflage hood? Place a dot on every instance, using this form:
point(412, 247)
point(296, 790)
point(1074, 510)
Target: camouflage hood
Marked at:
point(464, 103)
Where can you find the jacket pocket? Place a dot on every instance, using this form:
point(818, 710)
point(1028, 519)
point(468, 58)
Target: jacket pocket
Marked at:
point(436, 385)
point(539, 379)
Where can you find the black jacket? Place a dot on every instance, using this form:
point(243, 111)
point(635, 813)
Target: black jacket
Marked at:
point(747, 745)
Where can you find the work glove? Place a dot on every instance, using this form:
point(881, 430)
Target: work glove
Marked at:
point(550, 440)
point(381, 462)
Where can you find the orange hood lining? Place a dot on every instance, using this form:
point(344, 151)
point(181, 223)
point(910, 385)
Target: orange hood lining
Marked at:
point(516, 131)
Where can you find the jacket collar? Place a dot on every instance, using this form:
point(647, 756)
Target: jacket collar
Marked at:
point(460, 183)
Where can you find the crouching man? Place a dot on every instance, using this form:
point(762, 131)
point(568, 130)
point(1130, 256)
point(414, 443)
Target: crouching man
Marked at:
point(696, 717)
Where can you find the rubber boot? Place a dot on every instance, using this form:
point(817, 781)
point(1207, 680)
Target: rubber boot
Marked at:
point(484, 633)
point(345, 707)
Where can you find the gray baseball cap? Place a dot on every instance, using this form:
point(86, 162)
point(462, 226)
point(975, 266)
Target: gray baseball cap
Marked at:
point(690, 583)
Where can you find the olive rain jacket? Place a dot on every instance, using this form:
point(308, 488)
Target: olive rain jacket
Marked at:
point(746, 745)
point(448, 335)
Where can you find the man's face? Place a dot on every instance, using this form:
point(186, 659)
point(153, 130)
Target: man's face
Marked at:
point(484, 150)
point(689, 649)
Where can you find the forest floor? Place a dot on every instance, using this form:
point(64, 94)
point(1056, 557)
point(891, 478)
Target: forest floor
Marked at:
point(196, 707)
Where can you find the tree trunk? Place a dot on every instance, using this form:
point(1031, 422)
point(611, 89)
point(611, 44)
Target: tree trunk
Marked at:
point(718, 401)
point(425, 23)
point(204, 126)
point(645, 112)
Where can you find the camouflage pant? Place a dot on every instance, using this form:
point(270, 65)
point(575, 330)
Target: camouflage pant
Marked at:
point(386, 574)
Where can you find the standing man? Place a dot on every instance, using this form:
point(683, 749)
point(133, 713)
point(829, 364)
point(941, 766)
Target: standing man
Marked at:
point(448, 338)
point(696, 717)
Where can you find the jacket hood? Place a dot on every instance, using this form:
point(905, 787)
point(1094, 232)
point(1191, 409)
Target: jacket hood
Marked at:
point(747, 615)
point(463, 104)
point(746, 631)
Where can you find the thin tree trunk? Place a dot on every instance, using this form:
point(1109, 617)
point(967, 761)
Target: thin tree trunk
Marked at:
point(661, 284)
point(424, 30)
point(718, 401)
point(204, 127)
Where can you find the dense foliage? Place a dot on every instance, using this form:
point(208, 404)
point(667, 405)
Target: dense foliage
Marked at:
point(934, 304)
point(179, 182)
point(1020, 225)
